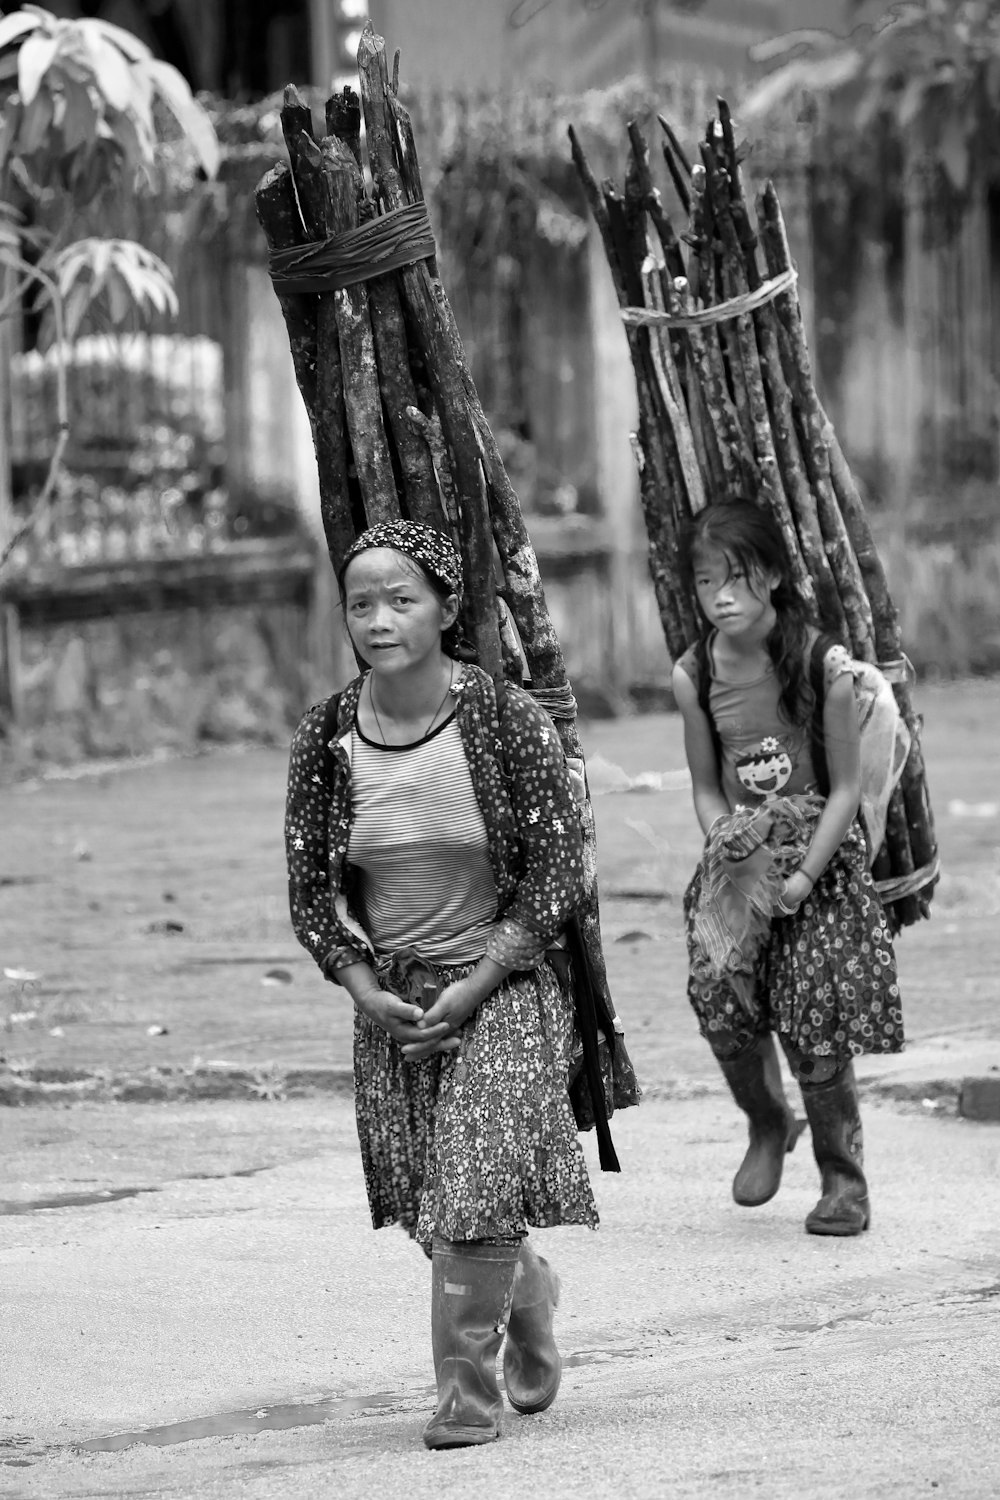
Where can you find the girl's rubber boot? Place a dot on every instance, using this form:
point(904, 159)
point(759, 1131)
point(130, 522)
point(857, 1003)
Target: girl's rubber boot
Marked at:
point(470, 1303)
point(754, 1078)
point(835, 1121)
point(532, 1367)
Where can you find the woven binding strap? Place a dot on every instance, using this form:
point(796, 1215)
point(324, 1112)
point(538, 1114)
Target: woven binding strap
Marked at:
point(908, 885)
point(898, 670)
point(704, 317)
point(558, 702)
point(395, 239)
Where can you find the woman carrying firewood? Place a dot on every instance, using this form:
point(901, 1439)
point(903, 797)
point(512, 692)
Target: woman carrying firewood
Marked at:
point(430, 883)
point(786, 933)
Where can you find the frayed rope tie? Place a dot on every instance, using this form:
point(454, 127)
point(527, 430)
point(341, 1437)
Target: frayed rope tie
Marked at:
point(398, 238)
point(719, 312)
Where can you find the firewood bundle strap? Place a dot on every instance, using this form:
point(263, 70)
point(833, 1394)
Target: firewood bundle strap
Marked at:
point(908, 885)
point(559, 702)
point(398, 238)
point(704, 317)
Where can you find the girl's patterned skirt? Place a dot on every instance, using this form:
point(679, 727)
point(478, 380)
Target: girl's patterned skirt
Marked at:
point(825, 981)
point(480, 1142)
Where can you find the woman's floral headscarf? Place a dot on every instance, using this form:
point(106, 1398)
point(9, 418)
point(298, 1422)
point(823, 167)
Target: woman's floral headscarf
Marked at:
point(429, 548)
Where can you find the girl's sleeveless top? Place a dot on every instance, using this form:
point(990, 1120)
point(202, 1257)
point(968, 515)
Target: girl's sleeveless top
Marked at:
point(762, 754)
point(419, 842)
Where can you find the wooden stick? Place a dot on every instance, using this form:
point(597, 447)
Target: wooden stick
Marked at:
point(278, 214)
point(666, 350)
point(704, 421)
point(648, 442)
point(819, 584)
point(278, 211)
point(907, 824)
point(744, 358)
point(480, 608)
point(677, 166)
point(664, 493)
point(708, 377)
point(723, 337)
point(843, 560)
point(338, 481)
point(329, 181)
point(671, 394)
point(343, 119)
point(420, 498)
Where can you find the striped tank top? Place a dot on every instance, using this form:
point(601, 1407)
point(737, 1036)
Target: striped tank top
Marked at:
point(419, 842)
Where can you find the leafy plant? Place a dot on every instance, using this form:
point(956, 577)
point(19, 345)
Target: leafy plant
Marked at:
point(84, 106)
point(932, 66)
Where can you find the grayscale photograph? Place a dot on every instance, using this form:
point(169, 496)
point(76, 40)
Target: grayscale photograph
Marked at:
point(499, 789)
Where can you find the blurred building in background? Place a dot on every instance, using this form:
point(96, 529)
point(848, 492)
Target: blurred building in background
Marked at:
point(252, 47)
point(191, 475)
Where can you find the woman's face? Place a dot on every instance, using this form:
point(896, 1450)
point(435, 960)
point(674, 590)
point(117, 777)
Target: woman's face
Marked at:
point(731, 599)
point(394, 617)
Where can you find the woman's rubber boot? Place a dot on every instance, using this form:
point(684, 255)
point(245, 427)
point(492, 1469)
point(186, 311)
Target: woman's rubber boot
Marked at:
point(470, 1303)
point(532, 1368)
point(835, 1121)
point(754, 1078)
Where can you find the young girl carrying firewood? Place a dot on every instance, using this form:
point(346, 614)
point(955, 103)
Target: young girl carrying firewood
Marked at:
point(786, 933)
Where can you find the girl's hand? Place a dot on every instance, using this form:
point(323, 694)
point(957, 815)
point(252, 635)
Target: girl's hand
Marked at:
point(796, 889)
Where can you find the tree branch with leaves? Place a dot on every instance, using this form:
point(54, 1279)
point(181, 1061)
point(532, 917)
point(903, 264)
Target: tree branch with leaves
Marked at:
point(930, 66)
point(85, 108)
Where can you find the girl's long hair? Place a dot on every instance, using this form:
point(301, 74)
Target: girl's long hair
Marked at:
point(751, 540)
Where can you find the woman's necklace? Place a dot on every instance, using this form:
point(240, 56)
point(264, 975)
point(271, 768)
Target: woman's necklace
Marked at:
point(378, 721)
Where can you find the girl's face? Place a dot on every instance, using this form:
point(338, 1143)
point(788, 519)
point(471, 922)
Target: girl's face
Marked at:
point(732, 600)
point(394, 617)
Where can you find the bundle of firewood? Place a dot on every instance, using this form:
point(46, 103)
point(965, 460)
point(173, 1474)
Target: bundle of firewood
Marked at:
point(398, 427)
point(728, 408)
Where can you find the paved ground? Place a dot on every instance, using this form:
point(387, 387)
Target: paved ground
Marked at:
point(277, 1347)
point(200, 1278)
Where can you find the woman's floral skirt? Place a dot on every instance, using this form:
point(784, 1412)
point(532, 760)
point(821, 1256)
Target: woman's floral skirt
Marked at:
point(480, 1142)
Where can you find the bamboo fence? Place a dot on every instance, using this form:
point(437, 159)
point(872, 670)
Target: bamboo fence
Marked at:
point(728, 408)
point(398, 427)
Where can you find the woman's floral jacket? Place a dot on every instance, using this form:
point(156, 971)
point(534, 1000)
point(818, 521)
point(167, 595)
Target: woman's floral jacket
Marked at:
point(528, 805)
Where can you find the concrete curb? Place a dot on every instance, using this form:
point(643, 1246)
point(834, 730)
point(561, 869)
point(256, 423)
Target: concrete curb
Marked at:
point(265, 1082)
point(980, 1098)
point(971, 1098)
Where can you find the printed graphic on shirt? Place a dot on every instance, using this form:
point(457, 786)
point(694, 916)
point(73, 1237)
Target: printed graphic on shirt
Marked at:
point(765, 770)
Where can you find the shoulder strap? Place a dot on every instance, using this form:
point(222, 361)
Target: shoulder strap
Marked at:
point(703, 668)
point(329, 732)
point(500, 686)
point(592, 1013)
point(817, 736)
